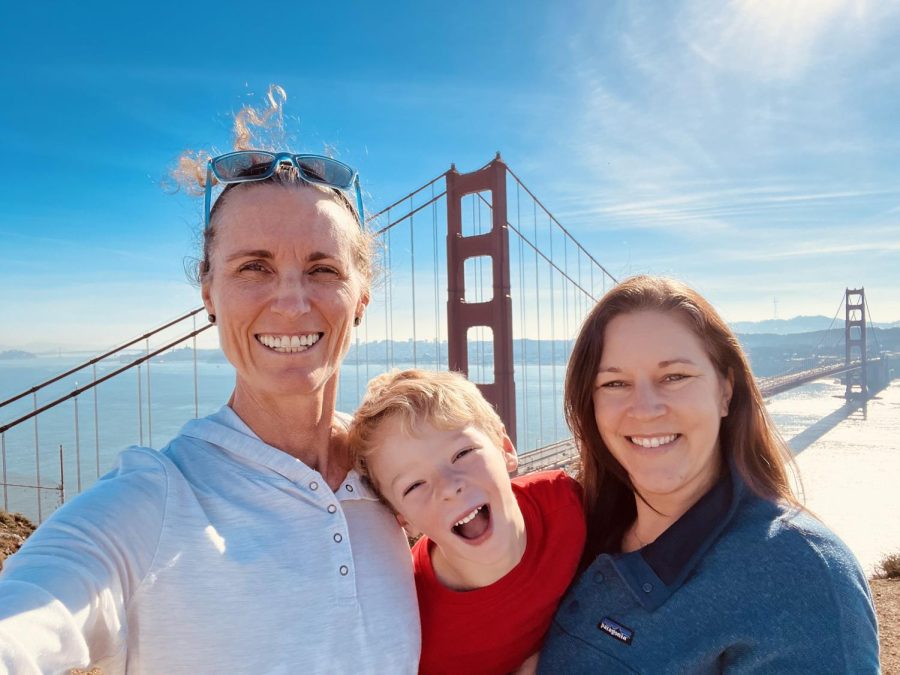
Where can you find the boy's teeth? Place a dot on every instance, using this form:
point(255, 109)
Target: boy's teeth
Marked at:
point(289, 343)
point(653, 441)
point(469, 517)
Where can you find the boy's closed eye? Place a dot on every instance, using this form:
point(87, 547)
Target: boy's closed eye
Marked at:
point(462, 453)
point(412, 486)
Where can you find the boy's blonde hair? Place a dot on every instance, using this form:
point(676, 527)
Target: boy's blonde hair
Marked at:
point(444, 399)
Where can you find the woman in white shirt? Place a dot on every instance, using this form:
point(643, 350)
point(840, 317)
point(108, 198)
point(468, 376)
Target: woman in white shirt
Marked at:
point(247, 544)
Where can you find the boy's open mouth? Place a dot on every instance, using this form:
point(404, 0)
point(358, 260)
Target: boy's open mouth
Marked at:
point(474, 524)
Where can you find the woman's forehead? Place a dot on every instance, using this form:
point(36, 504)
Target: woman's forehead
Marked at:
point(272, 216)
point(653, 335)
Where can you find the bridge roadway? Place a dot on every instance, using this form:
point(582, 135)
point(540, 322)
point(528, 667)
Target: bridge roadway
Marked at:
point(564, 455)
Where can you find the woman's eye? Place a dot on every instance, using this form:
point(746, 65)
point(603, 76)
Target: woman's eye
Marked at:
point(675, 377)
point(412, 487)
point(254, 266)
point(613, 384)
point(324, 269)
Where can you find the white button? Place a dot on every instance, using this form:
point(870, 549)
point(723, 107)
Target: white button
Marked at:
point(314, 486)
point(344, 570)
point(332, 508)
point(647, 588)
point(337, 537)
point(349, 488)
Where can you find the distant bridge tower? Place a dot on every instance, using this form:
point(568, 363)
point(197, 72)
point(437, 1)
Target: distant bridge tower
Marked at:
point(495, 313)
point(855, 342)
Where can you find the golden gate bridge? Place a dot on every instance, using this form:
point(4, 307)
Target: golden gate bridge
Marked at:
point(478, 276)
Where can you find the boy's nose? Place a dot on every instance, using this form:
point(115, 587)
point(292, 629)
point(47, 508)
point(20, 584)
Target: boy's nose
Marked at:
point(451, 485)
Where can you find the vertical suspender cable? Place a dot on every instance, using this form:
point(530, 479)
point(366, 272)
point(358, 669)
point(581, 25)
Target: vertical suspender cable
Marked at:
point(140, 406)
point(556, 406)
point(5, 480)
point(96, 426)
point(387, 282)
point(523, 342)
point(437, 293)
point(149, 403)
point(77, 447)
point(196, 388)
point(37, 460)
point(389, 303)
point(412, 272)
point(537, 304)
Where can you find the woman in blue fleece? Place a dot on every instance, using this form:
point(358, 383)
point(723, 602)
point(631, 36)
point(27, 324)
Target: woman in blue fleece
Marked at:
point(699, 558)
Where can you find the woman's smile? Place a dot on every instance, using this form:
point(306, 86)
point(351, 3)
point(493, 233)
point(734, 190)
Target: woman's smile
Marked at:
point(289, 344)
point(664, 441)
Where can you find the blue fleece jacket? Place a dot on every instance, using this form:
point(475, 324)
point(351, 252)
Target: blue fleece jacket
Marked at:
point(737, 584)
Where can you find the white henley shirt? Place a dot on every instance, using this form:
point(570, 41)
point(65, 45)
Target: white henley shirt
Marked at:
point(218, 554)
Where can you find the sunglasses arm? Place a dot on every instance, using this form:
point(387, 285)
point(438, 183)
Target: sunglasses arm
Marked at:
point(359, 202)
point(208, 193)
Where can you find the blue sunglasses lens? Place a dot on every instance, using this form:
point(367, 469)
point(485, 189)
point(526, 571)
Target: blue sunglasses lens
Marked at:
point(243, 166)
point(326, 171)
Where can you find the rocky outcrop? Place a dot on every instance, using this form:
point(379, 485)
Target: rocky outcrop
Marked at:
point(14, 529)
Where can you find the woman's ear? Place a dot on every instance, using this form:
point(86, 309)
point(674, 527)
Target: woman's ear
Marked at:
point(207, 299)
point(727, 391)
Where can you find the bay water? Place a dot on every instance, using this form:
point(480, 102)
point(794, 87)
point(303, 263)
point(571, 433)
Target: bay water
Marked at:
point(848, 455)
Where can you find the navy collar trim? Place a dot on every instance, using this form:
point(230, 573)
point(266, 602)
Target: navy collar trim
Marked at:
point(656, 571)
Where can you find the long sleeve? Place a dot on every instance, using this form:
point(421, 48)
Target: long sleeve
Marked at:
point(64, 596)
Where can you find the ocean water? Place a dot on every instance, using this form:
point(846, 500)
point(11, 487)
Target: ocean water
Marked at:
point(848, 456)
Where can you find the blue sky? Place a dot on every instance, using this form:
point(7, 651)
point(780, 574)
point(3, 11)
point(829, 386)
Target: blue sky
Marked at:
point(751, 148)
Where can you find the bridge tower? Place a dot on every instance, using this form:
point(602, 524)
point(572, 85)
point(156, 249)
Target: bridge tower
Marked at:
point(495, 313)
point(855, 342)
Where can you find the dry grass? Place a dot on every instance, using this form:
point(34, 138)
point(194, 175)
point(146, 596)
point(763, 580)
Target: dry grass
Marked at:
point(888, 567)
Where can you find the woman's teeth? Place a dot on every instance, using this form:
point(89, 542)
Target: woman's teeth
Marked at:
point(286, 344)
point(469, 517)
point(652, 441)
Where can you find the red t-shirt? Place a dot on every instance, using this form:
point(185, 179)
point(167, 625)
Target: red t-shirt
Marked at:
point(495, 628)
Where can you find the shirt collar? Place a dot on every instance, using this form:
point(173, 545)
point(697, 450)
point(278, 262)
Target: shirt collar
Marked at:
point(226, 430)
point(656, 571)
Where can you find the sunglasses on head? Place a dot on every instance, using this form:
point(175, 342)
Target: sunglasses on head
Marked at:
point(250, 165)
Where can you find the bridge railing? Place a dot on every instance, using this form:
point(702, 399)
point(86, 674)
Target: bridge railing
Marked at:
point(52, 442)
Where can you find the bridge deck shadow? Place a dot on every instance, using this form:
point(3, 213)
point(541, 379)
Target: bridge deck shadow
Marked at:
point(817, 429)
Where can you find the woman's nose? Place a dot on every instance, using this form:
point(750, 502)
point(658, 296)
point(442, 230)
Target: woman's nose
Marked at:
point(291, 296)
point(646, 402)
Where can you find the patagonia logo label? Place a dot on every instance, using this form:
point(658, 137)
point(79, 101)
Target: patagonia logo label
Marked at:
point(617, 630)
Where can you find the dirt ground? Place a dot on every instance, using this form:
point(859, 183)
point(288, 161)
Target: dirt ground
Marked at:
point(887, 604)
point(14, 528)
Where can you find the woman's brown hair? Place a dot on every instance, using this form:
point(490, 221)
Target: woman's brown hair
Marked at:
point(747, 434)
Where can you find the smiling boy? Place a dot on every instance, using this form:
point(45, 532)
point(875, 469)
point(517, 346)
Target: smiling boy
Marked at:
point(497, 554)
